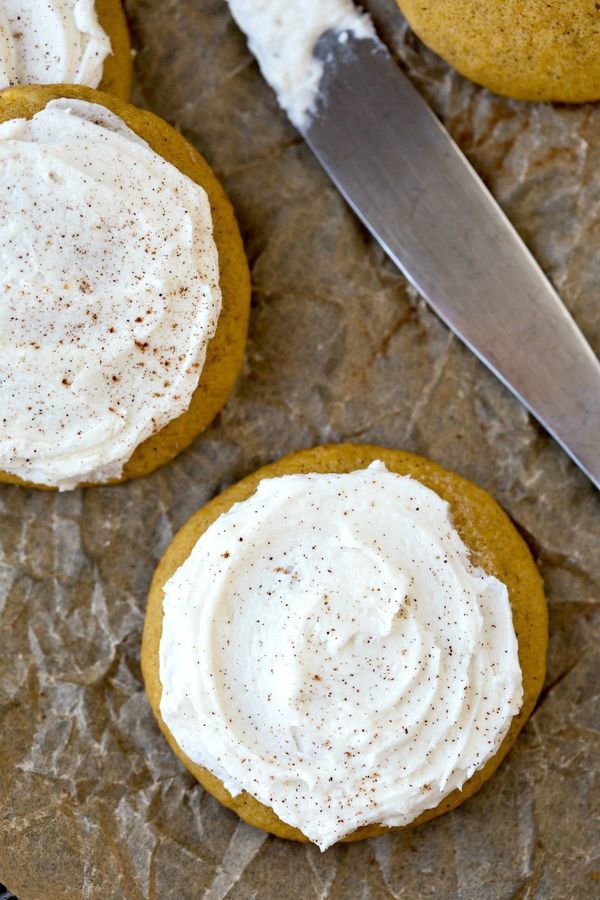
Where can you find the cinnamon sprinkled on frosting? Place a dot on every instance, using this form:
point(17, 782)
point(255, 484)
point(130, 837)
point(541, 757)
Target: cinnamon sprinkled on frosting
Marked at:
point(51, 42)
point(328, 647)
point(109, 293)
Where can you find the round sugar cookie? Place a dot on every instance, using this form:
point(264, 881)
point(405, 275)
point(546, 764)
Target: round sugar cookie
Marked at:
point(486, 530)
point(226, 349)
point(526, 49)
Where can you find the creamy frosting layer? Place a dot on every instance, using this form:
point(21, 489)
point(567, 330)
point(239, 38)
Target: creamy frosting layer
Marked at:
point(283, 35)
point(109, 293)
point(51, 42)
point(328, 647)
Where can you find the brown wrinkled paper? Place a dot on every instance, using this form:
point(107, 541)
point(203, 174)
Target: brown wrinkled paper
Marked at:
point(93, 802)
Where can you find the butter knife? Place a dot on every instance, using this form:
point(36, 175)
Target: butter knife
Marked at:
point(408, 182)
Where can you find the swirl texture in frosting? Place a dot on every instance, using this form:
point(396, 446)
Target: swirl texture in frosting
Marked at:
point(109, 293)
point(51, 42)
point(328, 647)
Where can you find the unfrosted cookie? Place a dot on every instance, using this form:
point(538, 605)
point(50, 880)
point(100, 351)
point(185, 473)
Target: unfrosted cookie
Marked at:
point(527, 49)
point(491, 539)
point(145, 284)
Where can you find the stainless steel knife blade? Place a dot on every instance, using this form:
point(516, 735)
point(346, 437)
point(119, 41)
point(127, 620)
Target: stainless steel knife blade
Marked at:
point(421, 199)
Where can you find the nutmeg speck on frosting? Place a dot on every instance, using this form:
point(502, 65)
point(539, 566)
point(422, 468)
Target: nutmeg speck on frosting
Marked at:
point(329, 648)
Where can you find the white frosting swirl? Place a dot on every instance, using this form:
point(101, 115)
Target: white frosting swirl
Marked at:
point(51, 42)
point(328, 647)
point(108, 293)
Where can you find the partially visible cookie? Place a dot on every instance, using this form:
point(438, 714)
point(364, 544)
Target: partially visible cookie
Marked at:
point(526, 49)
point(118, 65)
point(65, 42)
point(225, 349)
point(494, 545)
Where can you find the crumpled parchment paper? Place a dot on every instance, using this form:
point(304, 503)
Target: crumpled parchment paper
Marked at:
point(92, 801)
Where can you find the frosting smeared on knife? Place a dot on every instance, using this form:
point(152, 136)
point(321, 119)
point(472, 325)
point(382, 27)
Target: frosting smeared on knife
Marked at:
point(402, 174)
point(283, 36)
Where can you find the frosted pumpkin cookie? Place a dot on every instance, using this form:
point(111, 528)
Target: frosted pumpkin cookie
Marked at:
point(527, 49)
point(124, 289)
point(347, 640)
point(65, 42)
